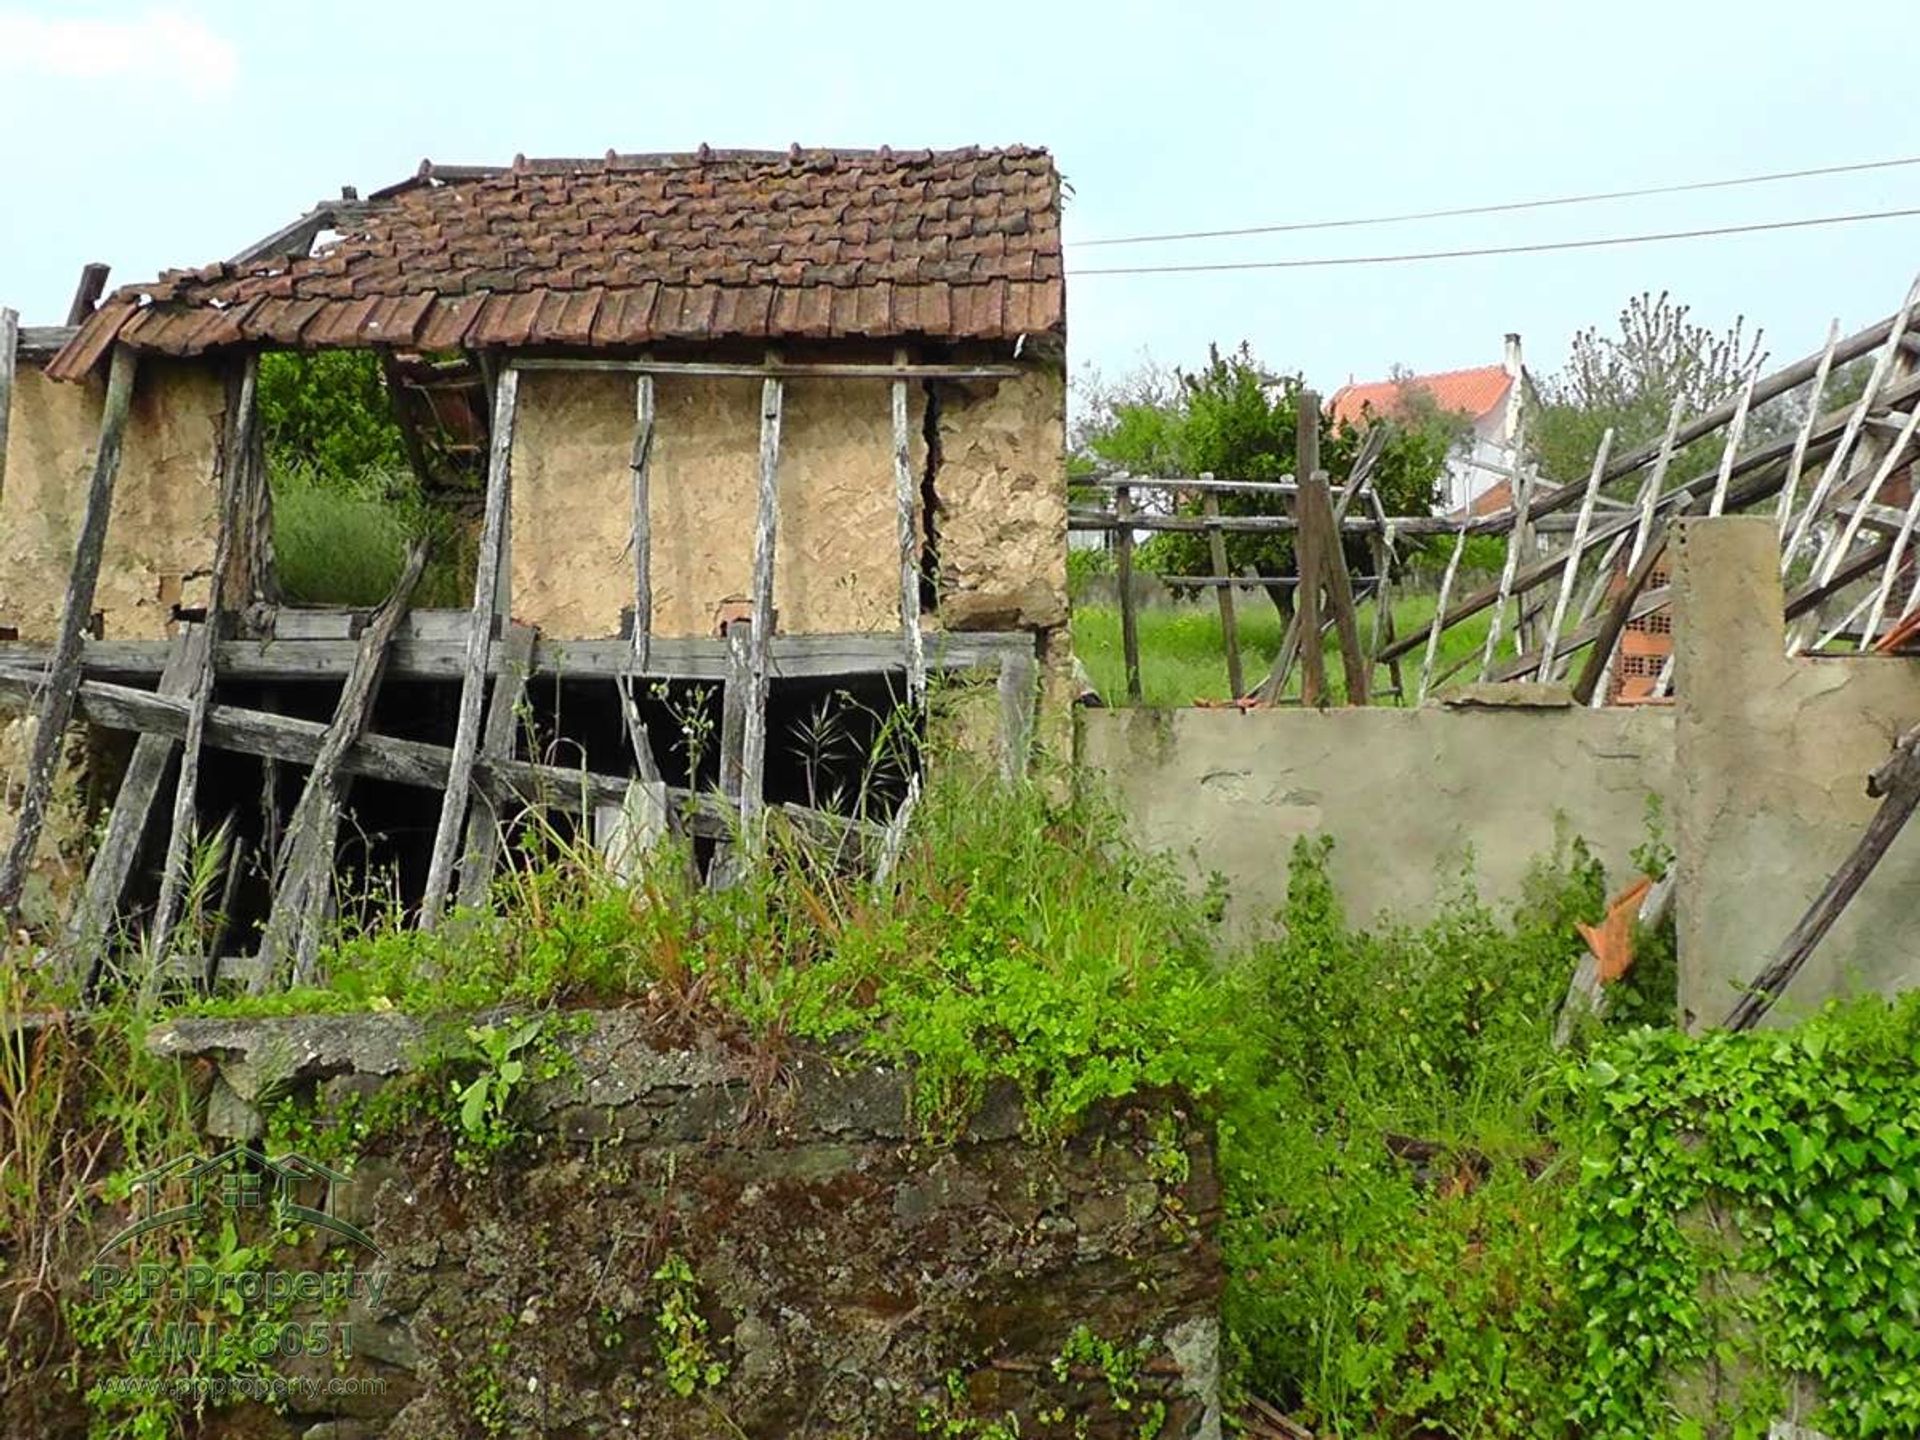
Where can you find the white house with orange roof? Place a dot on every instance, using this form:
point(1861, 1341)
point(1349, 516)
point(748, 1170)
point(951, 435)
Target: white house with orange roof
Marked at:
point(1488, 397)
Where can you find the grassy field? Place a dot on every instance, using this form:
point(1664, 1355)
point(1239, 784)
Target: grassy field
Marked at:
point(1183, 655)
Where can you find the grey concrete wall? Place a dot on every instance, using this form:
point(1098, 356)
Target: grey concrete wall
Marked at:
point(1409, 796)
point(1773, 755)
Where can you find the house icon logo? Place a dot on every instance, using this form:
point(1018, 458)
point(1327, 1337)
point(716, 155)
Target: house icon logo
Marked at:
point(240, 1178)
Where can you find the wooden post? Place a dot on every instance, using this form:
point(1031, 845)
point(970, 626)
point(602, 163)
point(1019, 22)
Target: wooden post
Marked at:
point(1896, 783)
point(90, 924)
point(9, 359)
point(228, 491)
point(303, 883)
point(1575, 550)
point(734, 701)
point(753, 748)
point(1522, 498)
point(481, 849)
point(643, 401)
point(63, 675)
point(905, 508)
point(1123, 573)
point(1307, 540)
point(487, 587)
point(1339, 585)
point(1229, 622)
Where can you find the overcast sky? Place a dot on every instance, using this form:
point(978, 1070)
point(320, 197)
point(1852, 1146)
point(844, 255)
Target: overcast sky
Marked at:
point(152, 136)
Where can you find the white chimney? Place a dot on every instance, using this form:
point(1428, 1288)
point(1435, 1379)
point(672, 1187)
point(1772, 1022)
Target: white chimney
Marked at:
point(1511, 362)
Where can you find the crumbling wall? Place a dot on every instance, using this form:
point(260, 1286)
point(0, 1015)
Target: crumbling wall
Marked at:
point(1773, 756)
point(159, 549)
point(1415, 800)
point(836, 565)
point(853, 1278)
point(1002, 486)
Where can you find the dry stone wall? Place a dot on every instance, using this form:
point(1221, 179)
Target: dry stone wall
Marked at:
point(849, 1277)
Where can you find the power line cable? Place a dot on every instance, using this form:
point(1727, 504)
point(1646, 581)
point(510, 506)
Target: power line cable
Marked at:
point(1321, 262)
point(1502, 209)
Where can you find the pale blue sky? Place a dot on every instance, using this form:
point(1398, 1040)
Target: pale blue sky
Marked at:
point(150, 136)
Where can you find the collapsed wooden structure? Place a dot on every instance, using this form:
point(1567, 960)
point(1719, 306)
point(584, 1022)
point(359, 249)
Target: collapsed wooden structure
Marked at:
point(1584, 560)
point(245, 637)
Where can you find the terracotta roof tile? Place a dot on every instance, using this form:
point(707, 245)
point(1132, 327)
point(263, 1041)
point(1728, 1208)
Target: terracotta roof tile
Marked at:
point(1473, 393)
point(626, 249)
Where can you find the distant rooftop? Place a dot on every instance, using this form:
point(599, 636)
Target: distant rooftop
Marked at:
point(1474, 393)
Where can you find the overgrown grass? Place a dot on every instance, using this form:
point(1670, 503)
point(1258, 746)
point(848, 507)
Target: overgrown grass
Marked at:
point(344, 541)
point(1183, 656)
point(1024, 940)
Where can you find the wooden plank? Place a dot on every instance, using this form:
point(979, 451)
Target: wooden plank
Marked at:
point(1123, 576)
point(86, 294)
point(735, 699)
point(228, 487)
point(1439, 614)
point(1339, 586)
point(303, 883)
point(1019, 674)
point(894, 844)
point(1576, 550)
point(906, 504)
point(641, 504)
point(379, 757)
point(1229, 621)
point(1891, 460)
point(486, 591)
point(753, 745)
point(9, 364)
point(56, 703)
point(1729, 452)
point(90, 924)
point(1783, 511)
point(1856, 418)
point(1509, 571)
point(1896, 784)
point(1642, 532)
point(777, 369)
point(481, 850)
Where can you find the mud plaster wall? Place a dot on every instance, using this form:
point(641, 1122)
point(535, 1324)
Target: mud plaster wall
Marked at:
point(836, 566)
point(1410, 797)
point(1002, 485)
point(160, 532)
point(1773, 754)
point(855, 1279)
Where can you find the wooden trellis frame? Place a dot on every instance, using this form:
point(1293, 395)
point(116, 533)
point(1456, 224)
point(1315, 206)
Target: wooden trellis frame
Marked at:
point(1537, 634)
point(477, 647)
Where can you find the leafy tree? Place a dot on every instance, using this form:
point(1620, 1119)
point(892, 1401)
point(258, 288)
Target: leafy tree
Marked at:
point(327, 412)
point(1629, 381)
point(1235, 421)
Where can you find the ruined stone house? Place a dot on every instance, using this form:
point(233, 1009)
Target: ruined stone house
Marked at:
point(847, 365)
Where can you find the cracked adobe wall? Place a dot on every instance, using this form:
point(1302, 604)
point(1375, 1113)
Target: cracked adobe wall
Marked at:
point(1407, 795)
point(1773, 754)
point(1001, 488)
point(160, 533)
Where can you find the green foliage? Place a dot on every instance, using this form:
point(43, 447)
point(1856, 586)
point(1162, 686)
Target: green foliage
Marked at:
point(343, 540)
point(327, 412)
point(1629, 382)
point(687, 1357)
point(1234, 421)
point(1374, 1298)
point(1785, 1164)
point(1183, 653)
point(508, 1055)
